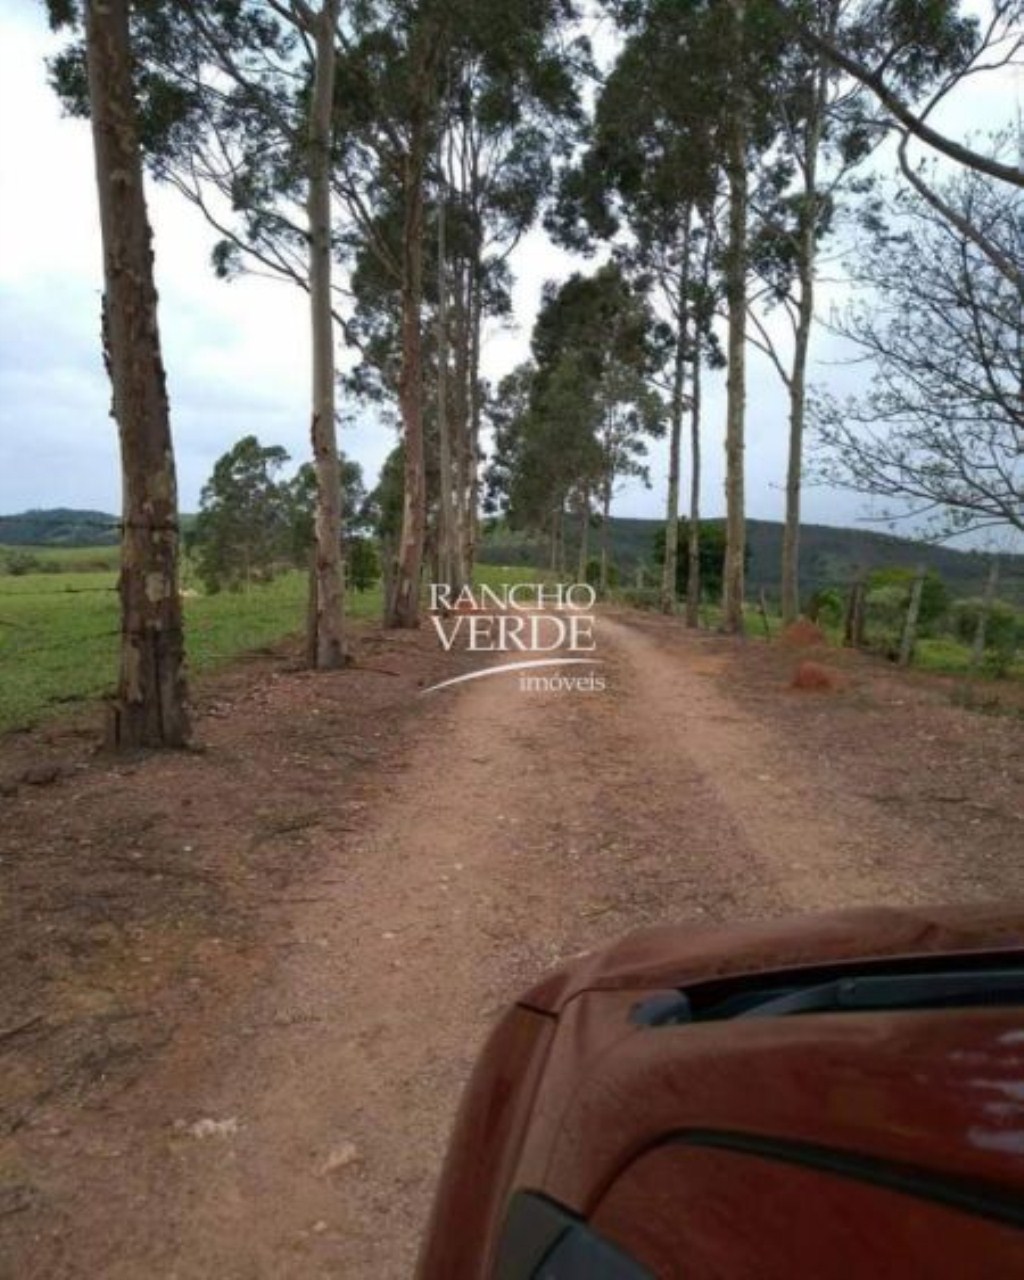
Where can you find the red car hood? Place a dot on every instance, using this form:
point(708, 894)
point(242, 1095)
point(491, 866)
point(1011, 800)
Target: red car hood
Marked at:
point(675, 955)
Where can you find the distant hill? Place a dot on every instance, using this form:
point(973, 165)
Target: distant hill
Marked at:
point(829, 556)
point(64, 527)
point(59, 527)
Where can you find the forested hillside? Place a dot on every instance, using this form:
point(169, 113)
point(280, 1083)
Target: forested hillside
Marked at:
point(59, 527)
point(830, 556)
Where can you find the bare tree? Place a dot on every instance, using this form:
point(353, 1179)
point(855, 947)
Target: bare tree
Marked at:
point(940, 434)
point(999, 42)
point(150, 707)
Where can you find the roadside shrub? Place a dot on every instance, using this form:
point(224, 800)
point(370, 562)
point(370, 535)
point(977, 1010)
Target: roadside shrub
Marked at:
point(826, 607)
point(935, 598)
point(640, 597)
point(362, 563)
point(886, 612)
point(19, 563)
point(1004, 631)
point(1004, 622)
point(594, 573)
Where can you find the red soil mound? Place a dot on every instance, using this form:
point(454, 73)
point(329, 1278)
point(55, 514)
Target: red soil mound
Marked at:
point(812, 675)
point(802, 634)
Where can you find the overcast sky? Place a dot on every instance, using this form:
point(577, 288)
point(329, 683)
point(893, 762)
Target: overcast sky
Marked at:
point(237, 353)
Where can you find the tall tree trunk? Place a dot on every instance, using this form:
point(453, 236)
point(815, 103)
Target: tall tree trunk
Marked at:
point(476, 321)
point(584, 535)
point(736, 301)
point(404, 606)
point(669, 572)
point(693, 539)
point(794, 466)
point(806, 254)
point(460, 424)
point(329, 642)
point(606, 520)
point(446, 509)
point(150, 705)
point(669, 568)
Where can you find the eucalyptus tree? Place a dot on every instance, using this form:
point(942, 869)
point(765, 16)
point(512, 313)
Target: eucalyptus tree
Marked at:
point(388, 105)
point(543, 447)
point(236, 101)
point(650, 181)
point(261, 133)
point(512, 113)
point(149, 709)
point(243, 529)
point(736, 41)
point(501, 101)
point(269, 137)
point(718, 56)
point(571, 422)
point(822, 137)
point(631, 411)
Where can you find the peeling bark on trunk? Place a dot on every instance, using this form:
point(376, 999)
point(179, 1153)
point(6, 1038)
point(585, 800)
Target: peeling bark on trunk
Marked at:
point(794, 468)
point(670, 566)
point(460, 426)
point(327, 644)
point(693, 585)
point(150, 705)
point(447, 532)
point(736, 301)
point(476, 320)
point(404, 603)
point(404, 606)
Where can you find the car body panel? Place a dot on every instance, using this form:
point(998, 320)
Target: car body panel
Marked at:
point(574, 1099)
point(678, 955)
point(701, 1213)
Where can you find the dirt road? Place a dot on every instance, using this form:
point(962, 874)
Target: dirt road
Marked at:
point(294, 1128)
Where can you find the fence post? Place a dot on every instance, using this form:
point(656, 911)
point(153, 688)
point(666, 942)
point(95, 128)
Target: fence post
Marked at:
point(987, 600)
point(764, 615)
point(853, 624)
point(909, 637)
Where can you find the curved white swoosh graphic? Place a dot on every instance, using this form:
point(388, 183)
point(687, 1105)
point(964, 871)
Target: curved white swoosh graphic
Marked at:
point(515, 666)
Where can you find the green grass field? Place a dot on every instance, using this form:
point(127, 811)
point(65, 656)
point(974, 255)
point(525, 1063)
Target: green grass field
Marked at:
point(67, 559)
point(58, 631)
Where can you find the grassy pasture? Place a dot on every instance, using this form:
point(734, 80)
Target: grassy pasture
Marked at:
point(58, 631)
